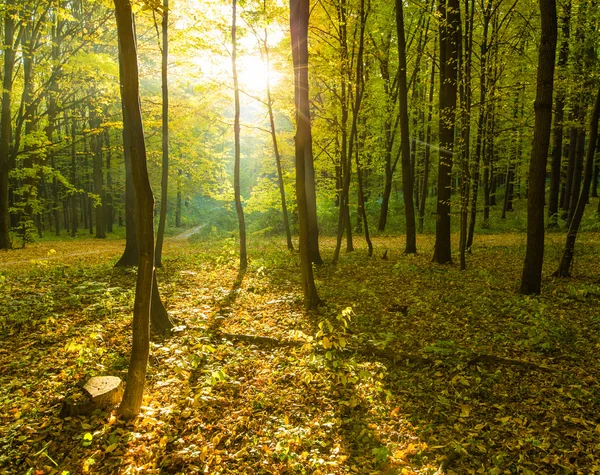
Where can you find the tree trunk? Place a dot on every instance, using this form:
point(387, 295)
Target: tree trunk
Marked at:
point(132, 399)
point(299, 13)
point(465, 96)
point(73, 197)
point(178, 208)
point(407, 175)
point(449, 11)
point(96, 148)
point(567, 257)
point(109, 212)
point(427, 159)
point(164, 184)
point(5, 123)
point(534, 256)
point(130, 253)
point(286, 223)
point(236, 129)
point(559, 114)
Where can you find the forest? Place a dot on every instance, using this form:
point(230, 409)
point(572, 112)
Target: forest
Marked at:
point(313, 237)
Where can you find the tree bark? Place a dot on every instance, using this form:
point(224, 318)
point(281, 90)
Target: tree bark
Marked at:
point(559, 114)
point(132, 399)
point(284, 211)
point(566, 262)
point(96, 148)
point(236, 130)
point(427, 159)
point(299, 13)
point(164, 184)
point(407, 175)
point(534, 255)
point(5, 123)
point(449, 12)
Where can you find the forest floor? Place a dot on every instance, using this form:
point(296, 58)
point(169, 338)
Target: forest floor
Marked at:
point(410, 367)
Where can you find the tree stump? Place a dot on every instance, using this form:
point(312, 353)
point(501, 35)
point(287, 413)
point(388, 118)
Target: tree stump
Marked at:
point(100, 392)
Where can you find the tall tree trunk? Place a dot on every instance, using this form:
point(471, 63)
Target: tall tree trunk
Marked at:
point(73, 197)
point(299, 13)
point(577, 172)
point(134, 390)
point(5, 123)
point(449, 14)
point(559, 114)
point(427, 159)
point(465, 95)
point(164, 184)
point(178, 208)
point(481, 122)
point(534, 255)
point(407, 176)
point(109, 211)
point(286, 223)
point(130, 253)
point(96, 148)
point(236, 131)
point(567, 258)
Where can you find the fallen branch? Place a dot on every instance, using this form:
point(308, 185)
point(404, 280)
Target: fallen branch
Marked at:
point(366, 351)
point(491, 359)
point(380, 353)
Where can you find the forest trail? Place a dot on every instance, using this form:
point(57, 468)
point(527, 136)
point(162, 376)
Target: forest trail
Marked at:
point(187, 234)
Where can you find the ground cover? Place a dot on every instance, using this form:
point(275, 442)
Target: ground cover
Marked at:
point(409, 368)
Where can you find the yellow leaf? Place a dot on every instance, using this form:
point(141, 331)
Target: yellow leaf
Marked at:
point(465, 411)
point(326, 343)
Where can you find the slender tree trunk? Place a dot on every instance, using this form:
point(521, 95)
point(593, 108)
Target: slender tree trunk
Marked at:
point(236, 129)
point(178, 208)
point(465, 95)
point(534, 256)
point(481, 122)
point(449, 13)
point(109, 215)
point(407, 176)
point(286, 223)
point(299, 13)
point(164, 184)
point(559, 114)
point(595, 179)
point(567, 259)
point(96, 148)
point(134, 390)
point(427, 159)
point(5, 123)
point(577, 173)
point(73, 197)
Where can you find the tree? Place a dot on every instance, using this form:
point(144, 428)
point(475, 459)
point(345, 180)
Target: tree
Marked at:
point(299, 12)
point(5, 122)
point(559, 108)
point(449, 12)
point(236, 130)
point(407, 175)
point(564, 269)
point(144, 201)
point(534, 256)
point(164, 184)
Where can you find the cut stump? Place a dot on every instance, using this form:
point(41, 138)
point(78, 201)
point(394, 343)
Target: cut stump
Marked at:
point(100, 392)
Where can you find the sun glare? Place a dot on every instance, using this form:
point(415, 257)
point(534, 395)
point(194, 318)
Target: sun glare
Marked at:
point(253, 75)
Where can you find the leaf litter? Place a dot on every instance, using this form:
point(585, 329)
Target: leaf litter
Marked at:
point(504, 383)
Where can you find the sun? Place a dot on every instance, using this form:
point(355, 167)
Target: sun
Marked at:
point(254, 75)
